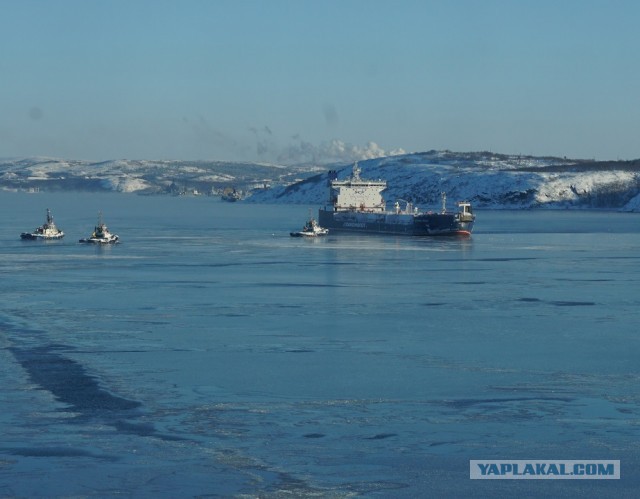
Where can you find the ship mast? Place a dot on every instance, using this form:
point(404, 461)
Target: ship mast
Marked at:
point(356, 172)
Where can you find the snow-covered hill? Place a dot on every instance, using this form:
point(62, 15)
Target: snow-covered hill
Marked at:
point(147, 177)
point(488, 180)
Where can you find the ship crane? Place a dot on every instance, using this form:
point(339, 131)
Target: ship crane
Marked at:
point(408, 207)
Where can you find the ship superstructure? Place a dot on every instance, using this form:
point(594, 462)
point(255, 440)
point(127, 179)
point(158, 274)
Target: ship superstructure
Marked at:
point(357, 205)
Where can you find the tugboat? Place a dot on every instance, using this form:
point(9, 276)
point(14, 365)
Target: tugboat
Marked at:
point(101, 234)
point(310, 229)
point(356, 205)
point(46, 231)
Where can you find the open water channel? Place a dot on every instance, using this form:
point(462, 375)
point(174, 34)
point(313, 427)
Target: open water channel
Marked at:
point(210, 354)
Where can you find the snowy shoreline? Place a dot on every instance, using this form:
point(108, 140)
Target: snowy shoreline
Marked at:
point(488, 180)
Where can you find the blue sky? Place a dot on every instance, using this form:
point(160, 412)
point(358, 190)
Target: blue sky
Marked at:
point(283, 81)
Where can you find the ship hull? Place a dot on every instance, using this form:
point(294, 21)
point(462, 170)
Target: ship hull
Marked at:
point(100, 240)
point(423, 224)
point(40, 237)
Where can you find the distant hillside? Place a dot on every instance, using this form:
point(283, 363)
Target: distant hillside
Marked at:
point(144, 177)
point(489, 180)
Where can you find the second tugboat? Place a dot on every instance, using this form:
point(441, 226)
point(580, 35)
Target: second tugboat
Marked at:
point(310, 229)
point(46, 231)
point(356, 205)
point(101, 234)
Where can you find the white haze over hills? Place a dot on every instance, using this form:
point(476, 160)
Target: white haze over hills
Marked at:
point(489, 180)
point(300, 151)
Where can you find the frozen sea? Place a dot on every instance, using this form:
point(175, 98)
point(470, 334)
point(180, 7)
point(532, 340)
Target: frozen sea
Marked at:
point(212, 355)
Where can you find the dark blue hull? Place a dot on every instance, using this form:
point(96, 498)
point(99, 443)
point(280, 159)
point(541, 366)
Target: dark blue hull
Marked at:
point(423, 224)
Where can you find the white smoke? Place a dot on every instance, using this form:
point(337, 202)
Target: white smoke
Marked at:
point(299, 151)
point(334, 151)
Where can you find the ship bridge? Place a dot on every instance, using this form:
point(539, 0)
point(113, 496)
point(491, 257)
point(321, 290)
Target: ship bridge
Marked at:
point(357, 194)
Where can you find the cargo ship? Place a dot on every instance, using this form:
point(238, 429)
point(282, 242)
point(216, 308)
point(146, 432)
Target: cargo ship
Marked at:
point(357, 205)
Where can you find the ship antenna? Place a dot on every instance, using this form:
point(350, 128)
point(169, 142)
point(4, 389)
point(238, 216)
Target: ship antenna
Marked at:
point(444, 202)
point(49, 217)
